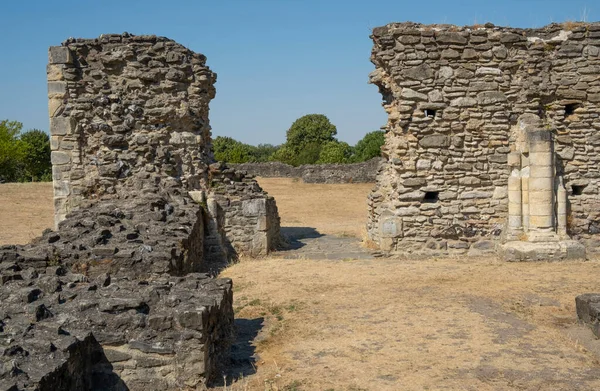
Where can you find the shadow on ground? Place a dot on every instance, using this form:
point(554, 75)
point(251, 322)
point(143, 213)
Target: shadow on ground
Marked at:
point(308, 243)
point(294, 235)
point(243, 356)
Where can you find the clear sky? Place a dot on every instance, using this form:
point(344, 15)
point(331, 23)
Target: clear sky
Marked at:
point(276, 60)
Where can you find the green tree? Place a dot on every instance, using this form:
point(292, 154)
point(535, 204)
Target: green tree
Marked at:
point(369, 147)
point(226, 149)
point(36, 155)
point(263, 152)
point(11, 150)
point(335, 152)
point(284, 154)
point(310, 129)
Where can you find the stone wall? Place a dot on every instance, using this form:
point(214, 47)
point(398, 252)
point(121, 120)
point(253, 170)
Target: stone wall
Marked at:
point(129, 115)
point(364, 172)
point(127, 112)
point(460, 100)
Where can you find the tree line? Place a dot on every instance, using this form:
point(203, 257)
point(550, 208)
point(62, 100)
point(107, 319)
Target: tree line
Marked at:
point(24, 156)
point(310, 140)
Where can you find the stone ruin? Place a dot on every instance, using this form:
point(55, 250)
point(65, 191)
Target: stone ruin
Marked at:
point(120, 297)
point(492, 143)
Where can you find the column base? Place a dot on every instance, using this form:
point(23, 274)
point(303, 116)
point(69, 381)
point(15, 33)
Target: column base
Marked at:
point(517, 251)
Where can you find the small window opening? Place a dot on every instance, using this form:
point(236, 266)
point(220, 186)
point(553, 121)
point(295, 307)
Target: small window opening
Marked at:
point(431, 197)
point(570, 109)
point(429, 113)
point(577, 189)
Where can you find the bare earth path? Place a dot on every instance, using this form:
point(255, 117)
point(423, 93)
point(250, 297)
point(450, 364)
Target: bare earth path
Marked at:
point(384, 324)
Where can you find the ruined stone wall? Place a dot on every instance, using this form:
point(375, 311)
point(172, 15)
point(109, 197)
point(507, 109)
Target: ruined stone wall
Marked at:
point(127, 113)
point(363, 172)
point(63, 331)
point(113, 299)
point(459, 100)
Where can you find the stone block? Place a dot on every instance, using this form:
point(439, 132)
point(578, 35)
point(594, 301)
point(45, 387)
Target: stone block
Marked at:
point(62, 188)
point(59, 157)
point(57, 88)
point(491, 97)
point(539, 171)
point(254, 207)
point(435, 141)
point(540, 158)
point(60, 126)
point(540, 185)
point(59, 55)
point(390, 227)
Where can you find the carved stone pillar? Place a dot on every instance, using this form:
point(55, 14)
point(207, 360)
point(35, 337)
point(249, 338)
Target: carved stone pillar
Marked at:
point(541, 186)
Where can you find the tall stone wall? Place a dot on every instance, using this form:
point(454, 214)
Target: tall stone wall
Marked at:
point(460, 100)
point(129, 115)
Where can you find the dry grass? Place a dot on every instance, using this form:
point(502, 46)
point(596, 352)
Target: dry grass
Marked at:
point(339, 209)
point(25, 211)
point(438, 324)
point(415, 325)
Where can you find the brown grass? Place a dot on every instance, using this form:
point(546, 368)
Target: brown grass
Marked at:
point(416, 325)
point(339, 209)
point(25, 211)
point(438, 324)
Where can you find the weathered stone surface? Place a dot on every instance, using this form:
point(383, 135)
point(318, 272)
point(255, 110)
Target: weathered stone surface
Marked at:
point(492, 88)
point(114, 299)
point(588, 311)
point(145, 129)
point(61, 350)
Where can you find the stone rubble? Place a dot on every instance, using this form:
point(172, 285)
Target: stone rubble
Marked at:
point(119, 296)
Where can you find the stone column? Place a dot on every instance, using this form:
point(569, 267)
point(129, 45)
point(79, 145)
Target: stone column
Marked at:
point(541, 186)
point(515, 209)
point(525, 193)
point(561, 208)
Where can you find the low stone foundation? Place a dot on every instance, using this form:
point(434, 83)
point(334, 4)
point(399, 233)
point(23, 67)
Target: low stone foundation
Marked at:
point(64, 331)
point(364, 172)
point(588, 311)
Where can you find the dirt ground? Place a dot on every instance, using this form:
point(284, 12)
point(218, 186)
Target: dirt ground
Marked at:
point(25, 211)
point(391, 324)
point(385, 324)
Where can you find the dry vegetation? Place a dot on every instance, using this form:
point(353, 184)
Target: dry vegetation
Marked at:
point(25, 211)
point(388, 324)
point(331, 209)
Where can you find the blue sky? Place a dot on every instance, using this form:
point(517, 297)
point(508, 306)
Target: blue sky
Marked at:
point(276, 60)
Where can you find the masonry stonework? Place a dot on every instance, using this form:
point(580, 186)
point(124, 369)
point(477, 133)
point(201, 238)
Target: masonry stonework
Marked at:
point(492, 140)
point(129, 114)
point(120, 296)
